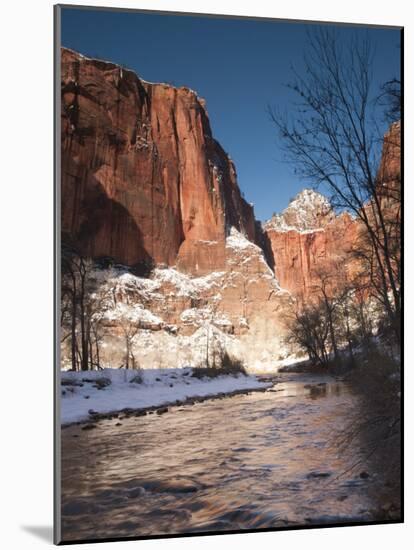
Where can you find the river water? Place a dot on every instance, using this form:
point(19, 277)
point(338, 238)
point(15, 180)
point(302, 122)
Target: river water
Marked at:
point(263, 460)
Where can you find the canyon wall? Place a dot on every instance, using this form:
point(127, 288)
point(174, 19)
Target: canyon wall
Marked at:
point(145, 184)
point(143, 180)
point(307, 240)
point(389, 173)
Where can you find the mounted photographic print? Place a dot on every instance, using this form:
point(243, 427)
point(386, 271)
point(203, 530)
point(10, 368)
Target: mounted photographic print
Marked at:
point(228, 274)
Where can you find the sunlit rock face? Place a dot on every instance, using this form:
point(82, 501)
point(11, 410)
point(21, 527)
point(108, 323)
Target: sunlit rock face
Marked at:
point(308, 211)
point(189, 321)
point(389, 173)
point(307, 238)
point(143, 180)
point(389, 183)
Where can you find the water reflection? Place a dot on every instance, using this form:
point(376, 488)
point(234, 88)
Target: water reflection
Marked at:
point(250, 461)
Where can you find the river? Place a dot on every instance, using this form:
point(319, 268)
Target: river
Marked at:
point(263, 460)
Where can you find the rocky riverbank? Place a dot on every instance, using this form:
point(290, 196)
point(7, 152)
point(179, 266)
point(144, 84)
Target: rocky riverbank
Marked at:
point(87, 397)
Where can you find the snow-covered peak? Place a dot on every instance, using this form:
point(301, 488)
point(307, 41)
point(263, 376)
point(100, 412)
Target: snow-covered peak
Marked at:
point(308, 211)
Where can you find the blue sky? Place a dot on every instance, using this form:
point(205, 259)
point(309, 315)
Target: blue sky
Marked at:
point(238, 66)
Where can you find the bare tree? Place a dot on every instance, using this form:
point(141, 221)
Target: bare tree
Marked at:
point(81, 309)
point(390, 100)
point(211, 341)
point(334, 140)
point(334, 317)
point(309, 329)
point(69, 296)
point(328, 300)
point(95, 307)
point(130, 330)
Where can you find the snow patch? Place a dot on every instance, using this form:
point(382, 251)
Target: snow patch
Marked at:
point(158, 387)
point(186, 285)
point(133, 313)
point(238, 241)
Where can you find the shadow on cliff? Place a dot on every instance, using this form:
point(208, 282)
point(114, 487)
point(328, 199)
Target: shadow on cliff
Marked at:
point(262, 240)
point(106, 230)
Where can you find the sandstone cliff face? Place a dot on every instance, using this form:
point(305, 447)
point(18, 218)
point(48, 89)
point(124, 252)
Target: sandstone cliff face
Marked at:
point(389, 173)
point(389, 182)
point(143, 180)
point(308, 211)
point(308, 238)
point(183, 320)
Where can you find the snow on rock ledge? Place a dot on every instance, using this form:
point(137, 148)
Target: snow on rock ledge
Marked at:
point(135, 314)
point(238, 241)
point(179, 317)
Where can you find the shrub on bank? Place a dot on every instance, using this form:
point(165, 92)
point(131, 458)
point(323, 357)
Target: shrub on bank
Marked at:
point(378, 375)
point(228, 366)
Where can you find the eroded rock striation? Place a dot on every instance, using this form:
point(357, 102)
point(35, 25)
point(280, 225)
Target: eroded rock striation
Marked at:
point(306, 238)
point(143, 179)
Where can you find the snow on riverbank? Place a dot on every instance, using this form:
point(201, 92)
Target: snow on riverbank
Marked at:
point(81, 393)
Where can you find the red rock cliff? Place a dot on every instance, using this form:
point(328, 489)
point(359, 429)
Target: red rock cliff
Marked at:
point(300, 256)
point(389, 173)
point(143, 180)
point(308, 237)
